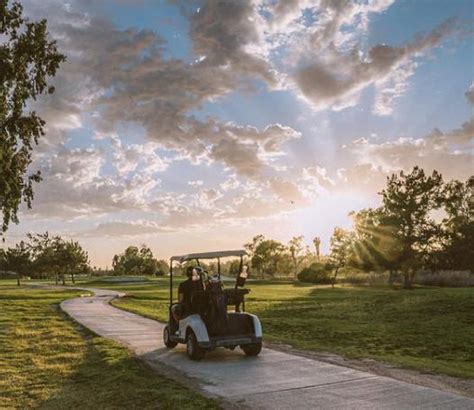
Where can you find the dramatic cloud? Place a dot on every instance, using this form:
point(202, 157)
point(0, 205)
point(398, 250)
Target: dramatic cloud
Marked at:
point(142, 136)
point(451, 153)
point(336, 78)
point(222, 30)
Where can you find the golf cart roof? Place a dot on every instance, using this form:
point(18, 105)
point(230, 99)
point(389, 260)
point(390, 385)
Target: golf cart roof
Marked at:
point(208, 255)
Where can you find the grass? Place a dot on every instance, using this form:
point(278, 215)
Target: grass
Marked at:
point(49, 362)
point(429, 329)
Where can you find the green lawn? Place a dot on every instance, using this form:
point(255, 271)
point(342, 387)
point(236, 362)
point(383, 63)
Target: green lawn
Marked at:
point(429, 329)
point(47, 361)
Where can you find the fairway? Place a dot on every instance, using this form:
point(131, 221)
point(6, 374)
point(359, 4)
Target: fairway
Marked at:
point(429, 329)
point(49, 362)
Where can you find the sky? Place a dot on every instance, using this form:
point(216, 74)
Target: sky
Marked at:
point(194, 125)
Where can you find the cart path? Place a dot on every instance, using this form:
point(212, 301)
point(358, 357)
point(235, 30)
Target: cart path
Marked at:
point(273, 380)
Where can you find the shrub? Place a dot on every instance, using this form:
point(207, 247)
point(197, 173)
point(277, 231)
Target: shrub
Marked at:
point(450, 278)
point(315, 273)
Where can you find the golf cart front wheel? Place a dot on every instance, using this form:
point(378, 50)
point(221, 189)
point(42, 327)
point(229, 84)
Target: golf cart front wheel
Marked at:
point(166, 338)
point(253, 349)
point(194, 351)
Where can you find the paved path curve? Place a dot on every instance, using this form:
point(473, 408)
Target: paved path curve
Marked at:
point(274, 380)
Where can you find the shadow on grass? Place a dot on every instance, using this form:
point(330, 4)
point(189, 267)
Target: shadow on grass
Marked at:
point(110, 377)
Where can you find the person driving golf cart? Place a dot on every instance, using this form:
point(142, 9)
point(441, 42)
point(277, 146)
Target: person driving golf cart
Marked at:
point(203, 318)
point(186, 289)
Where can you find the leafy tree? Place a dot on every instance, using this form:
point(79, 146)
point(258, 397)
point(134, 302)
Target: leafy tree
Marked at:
point(73, 259)
point(341, 250)
point(265, 254)
point(458, 226)
point(408, 200)
point(135, 261)
point(27, 59)
point(52, 255)
point(298, 252)
point(162, 268)
point(375, 245)
point(17, 259)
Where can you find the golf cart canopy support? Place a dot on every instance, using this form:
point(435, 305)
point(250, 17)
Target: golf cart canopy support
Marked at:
point(205, 255)
point(208, 255)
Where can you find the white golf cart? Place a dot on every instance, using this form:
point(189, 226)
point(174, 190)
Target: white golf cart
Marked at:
point(210, 324)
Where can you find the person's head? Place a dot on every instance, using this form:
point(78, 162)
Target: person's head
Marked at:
point(189, 271)
point(193, 272)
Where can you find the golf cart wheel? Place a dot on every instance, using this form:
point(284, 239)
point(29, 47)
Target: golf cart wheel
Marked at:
point(194, 351)
point(166, 338)
point(253, 349)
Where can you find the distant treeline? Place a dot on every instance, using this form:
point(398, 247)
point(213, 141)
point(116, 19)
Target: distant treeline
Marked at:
point(422, 225)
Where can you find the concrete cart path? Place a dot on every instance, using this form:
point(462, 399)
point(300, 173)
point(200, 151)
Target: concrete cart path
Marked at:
point(273, 380)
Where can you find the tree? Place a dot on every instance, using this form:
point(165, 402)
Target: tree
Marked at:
point(458, 226)
point(340, 250)
point(162, 268)
point(17, 259)
point(317, 246)
point(265, 254)
point(408, 200)
point(135, 261)
point(296, 249)
point(375, 245)
point(52, 255)
point(73, 259)
point(27, 59)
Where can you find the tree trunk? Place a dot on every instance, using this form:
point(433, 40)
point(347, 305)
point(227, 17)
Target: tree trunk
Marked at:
point(335, 277)
point(407, 279)
point(18, 279)
point(390, 277)
point(57, 279)
point(72, 278)
point(63, 279)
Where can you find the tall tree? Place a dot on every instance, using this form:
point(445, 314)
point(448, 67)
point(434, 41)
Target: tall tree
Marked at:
point(265, 255)
point(135, 261)
point(18, 260)
point(73, 259)
point(317, 246)
point(27, 58)
point(458, 226)
point(408, 200)
point(341, 250)
point(297, 252)
point(375, 245)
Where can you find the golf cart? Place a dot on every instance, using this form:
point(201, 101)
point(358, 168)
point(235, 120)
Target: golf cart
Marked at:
point(210, 324)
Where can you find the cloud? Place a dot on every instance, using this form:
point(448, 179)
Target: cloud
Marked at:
point(196, 183)
point(220, 32)
point(336, 78)
point(470, 94)
point(451, 153)
point(117, 229)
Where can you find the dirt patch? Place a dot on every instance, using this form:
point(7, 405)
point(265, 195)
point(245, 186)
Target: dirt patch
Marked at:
point(449, 384)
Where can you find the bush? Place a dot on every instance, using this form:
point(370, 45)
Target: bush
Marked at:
point(315, 273)
point(449, 278)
